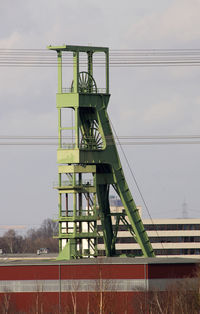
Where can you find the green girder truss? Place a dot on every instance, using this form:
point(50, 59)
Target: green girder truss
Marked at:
point(93, 152)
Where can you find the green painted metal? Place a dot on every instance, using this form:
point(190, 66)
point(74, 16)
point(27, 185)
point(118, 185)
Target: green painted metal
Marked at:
point(92, 151)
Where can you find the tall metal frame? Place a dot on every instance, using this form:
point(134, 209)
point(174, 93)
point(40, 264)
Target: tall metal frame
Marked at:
point(94, 152)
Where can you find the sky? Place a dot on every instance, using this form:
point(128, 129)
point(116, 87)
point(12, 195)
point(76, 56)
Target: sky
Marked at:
point(144, 101)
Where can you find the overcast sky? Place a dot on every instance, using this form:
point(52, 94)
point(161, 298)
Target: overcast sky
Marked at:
point(144, 101)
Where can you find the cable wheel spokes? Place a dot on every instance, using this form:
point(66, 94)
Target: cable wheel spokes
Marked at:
point(83, 81)
point(87, 83)
point(93, 140)
point(97, 135)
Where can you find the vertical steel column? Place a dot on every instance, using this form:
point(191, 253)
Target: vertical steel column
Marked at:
point(76, 71)
point(60, 209)
point(59, 54)
point(59, 129)
point(107, 72)
point(76, 128)
point(90, 70)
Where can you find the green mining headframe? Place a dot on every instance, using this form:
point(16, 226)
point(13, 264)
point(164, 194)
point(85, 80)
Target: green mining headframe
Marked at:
point(90, 163)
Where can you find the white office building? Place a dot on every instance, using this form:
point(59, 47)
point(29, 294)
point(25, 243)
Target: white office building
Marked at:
point(169, 237)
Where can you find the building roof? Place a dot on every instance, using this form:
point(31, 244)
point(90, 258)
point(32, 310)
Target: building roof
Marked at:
point(31, 260)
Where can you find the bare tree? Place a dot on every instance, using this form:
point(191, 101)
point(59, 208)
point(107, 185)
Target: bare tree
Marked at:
point(7, 304)
point(34, 239)
point(11, 241)
point(48, 228)
point(182, 297)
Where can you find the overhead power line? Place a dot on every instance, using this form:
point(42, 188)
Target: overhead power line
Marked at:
point(195, 136)
point(118, 58)
point(39, 140)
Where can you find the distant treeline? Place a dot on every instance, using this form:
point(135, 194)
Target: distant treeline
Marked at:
point(34, 239)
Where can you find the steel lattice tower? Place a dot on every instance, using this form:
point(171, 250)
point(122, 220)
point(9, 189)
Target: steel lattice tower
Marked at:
point(92, 153)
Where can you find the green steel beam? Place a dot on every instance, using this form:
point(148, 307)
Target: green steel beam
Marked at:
point(78, 48)
point(59, 72)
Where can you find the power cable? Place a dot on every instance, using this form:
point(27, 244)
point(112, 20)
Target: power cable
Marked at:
point(137, 185)
point(135, 137)
point(118, 58)
point(6, 140)
point(121, 143)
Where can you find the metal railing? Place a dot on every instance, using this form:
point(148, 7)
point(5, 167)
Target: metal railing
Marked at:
point(81, 146)
point(79, 213)
point(68, 145)
point(67, 90)
point(72, 183)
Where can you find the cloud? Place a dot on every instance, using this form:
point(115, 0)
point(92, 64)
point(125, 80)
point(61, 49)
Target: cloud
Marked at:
point(160, 112)
point(13, 40)
point(22, 122)
point(178, 24)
